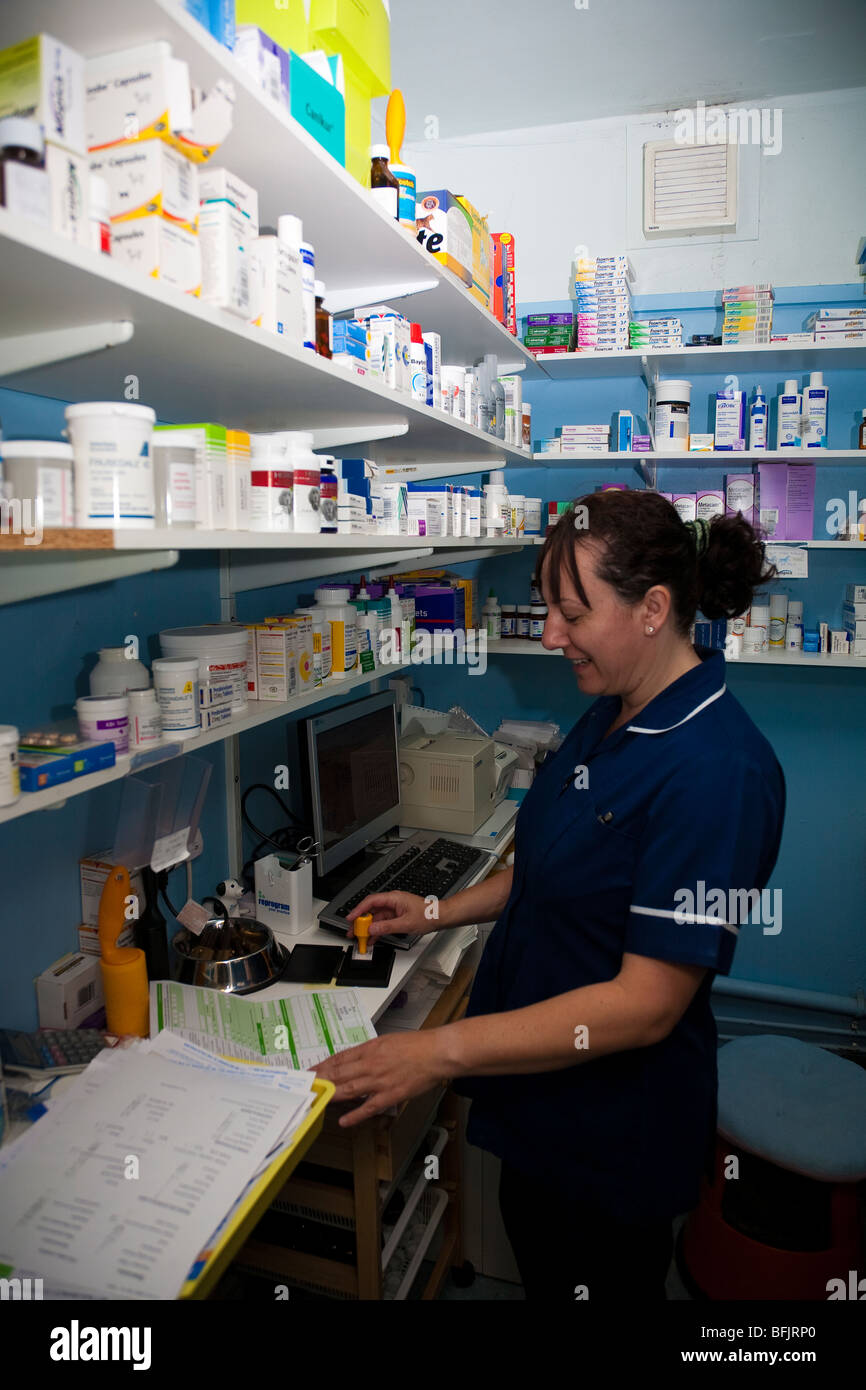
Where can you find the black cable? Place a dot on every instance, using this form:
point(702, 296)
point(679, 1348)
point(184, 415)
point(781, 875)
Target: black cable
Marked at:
point(284, 839)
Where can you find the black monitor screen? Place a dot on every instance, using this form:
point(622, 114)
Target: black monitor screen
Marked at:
point(359, 779)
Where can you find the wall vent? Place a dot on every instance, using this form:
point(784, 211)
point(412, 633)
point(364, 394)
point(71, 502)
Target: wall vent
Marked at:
point(689, 188)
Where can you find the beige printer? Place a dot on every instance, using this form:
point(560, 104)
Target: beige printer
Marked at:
point(452, 781)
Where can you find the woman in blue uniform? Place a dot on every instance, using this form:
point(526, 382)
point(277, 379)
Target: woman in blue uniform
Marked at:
point(589, 1046)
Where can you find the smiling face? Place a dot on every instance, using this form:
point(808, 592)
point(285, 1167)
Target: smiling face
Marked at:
point(605, 639)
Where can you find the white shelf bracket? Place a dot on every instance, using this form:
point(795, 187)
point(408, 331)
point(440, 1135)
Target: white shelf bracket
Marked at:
point(340, 301)
point(423, 472)
point(30, 350)
point(342, 437)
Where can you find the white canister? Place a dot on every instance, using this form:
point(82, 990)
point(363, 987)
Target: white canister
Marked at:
point(38, 473)
point(145, 724)
point(10, 780)
point(175, 482)
point(111, 442)
point(271, 493)
point(753, 641)
point(175, 682)
point(454, 391)
point(104, 719)
point(672, 403)
point(116, 673)
point(532, 516)
point(306, 484)
point(518, 514)
point(335, 607)
point(759, 620)
point(778, 620)
point(221, 649)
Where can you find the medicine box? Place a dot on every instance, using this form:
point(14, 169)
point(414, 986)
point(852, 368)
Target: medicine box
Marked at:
point(88, 938)
point(288, 21)
point(361, 33)
point(856, 626)
point(69, 188)
point(69, 991)
point(160, 249)
point(773, 499)
point(148, 176)
point(40, 768)
point(136, 94)
point(276, 662)
point(225, 239)
point(92, 872)
point(44, 80)
point(445, 230)
point(219, 185)
point(265, 60)
point(730, 420)
point(855, 593)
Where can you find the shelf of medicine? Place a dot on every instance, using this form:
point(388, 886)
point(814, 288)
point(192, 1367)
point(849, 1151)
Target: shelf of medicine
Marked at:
point(767, 358)
point(258, 712)
point(806, 661)
point(194, 362)
point(362, 255)
point(72, 541)
point(708, 458)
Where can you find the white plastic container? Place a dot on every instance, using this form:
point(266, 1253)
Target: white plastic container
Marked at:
point(753, 641)
point(145, 723)
point(532, 516)
point(335, 607)
point(306, 485)
point(322, 656)
point(111, 442)
point(496, 505)
point(789, 409)
point(116, 674)
point(778, 620)
point(104, 719)
point(671, 424)
point(10, 780)
point(38, 473)
point(454, 391)
point(491, 618)
point(518, 515)
point(175, 486)
point(175, 682)
point(271, 492)
point(290, 229)
point(815, 402)
point(221, 649)
point(758, 416)
point(759, 620)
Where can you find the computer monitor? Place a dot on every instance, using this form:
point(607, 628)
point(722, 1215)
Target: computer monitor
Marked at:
point(353, 777)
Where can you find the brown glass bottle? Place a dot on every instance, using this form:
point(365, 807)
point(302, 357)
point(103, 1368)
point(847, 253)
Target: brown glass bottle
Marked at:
point(323, 323)
point(383, 184)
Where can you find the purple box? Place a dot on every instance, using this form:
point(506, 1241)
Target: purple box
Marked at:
point(740, 496)
point(549, 320)
point(800, 501)
point(773, 500)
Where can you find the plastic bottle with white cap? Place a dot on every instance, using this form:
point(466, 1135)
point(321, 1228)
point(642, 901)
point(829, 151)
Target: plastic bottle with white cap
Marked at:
point(496, 505)
point(815, 402)
point(290, 229)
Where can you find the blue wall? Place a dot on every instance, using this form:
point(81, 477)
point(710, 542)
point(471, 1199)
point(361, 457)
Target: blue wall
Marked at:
point(815, 721)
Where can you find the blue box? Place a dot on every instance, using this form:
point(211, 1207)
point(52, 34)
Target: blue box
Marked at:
point(40, 769)
point(318, 107)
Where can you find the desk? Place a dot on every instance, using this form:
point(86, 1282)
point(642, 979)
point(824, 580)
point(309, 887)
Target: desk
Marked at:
point(376, 1154)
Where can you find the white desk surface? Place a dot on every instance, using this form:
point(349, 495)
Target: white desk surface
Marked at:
point(374, 1001)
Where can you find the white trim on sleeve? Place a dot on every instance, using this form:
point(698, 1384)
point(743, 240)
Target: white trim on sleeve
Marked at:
point(685, 918)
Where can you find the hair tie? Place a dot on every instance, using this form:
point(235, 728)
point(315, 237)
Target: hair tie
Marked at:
point(700, 534)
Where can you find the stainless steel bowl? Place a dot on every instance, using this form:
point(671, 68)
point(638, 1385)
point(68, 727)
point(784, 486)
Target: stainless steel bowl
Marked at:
point(235, 957)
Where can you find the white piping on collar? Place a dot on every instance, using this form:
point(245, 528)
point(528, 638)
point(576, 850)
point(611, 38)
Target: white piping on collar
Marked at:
point(636, 729)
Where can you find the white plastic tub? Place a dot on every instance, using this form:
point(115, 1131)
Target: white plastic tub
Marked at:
point(111, 442)
point(221, 649)
point(38, 473)
point(104, 719)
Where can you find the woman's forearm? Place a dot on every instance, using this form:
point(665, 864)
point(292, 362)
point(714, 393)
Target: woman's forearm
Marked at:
point(481, 903)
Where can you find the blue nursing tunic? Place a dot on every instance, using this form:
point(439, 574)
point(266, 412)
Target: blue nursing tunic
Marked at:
point(622, 844)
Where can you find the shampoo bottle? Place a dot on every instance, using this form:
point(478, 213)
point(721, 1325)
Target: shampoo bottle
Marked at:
point(815, 401)
point(788, 419)
point(758, 420)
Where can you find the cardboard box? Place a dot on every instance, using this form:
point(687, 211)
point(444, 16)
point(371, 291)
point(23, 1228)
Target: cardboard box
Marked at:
point(45, 80)
point(288, 22)
point(505, 308)
point(161, 249)
point(220, 185)
point(148, 176)
point(225, 239)
point(445, 230)
point(92, 872)
point(138, 93)
point(361, 34)
point(69, 991)
point(277, 295)
point(69, 184)
point(88, 938)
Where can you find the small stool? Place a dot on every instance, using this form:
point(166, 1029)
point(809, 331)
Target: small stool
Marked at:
point(795, 1117)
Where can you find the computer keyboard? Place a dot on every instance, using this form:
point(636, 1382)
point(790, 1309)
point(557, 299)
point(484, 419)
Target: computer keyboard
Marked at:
point(427, 864)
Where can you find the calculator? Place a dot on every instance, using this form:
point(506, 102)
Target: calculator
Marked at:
point(52, 1051)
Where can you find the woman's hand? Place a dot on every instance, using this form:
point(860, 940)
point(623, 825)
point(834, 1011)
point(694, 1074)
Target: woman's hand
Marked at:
point(406, 913)
point(387, 1070)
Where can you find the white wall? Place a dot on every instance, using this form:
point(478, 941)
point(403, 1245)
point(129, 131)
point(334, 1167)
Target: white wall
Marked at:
point(555, 186)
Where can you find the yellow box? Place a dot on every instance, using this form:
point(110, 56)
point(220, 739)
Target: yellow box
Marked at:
point(482, 253)
point(360, 31)
point(286, 22)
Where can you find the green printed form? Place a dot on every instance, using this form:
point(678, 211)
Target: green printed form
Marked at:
point(296, 1032)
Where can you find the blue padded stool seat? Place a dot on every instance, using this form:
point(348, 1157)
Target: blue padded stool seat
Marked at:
point(795, 1105)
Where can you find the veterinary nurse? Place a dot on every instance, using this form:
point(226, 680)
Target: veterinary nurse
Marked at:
point(589, 1046)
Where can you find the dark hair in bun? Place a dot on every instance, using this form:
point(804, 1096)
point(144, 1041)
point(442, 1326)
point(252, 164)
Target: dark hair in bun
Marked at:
point(646, 543)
